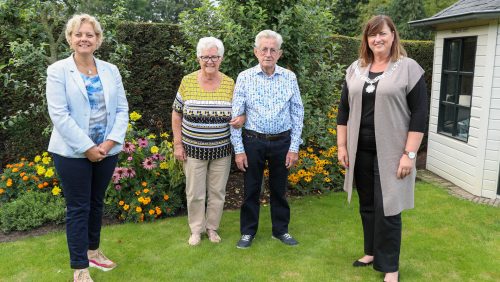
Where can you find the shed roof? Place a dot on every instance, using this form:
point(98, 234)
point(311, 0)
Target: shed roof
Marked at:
point(463, 10)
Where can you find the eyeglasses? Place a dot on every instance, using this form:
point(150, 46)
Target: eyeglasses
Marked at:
point(265, 50)
point(210, 58)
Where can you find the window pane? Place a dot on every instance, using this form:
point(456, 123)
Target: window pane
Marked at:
point(465, 91)
point(447, 118)
point(469, 54)
point(453, 55)
point(450, 87)
point(463, 118)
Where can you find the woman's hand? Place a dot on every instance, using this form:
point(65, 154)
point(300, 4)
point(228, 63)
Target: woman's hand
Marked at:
point(106, 146)
point(238, 121)
point(405, 167)
point(179, 152)
point(95, 154)
point(343, 156)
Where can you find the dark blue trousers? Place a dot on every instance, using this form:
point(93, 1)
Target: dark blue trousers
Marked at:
point(259, 151)
point(84, 184)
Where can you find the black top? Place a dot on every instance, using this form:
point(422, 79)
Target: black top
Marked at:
point(417, 102)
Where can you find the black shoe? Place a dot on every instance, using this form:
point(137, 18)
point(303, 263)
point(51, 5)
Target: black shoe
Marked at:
point(287, 239)
point(358, 263)
point(245, 242)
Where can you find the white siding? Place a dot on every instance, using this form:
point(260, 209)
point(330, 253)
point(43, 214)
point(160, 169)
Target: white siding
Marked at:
point(472, 165)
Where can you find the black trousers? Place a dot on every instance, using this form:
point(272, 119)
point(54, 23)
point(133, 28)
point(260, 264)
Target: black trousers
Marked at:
point(84, 184)
point(259, 151)
point(382, 234)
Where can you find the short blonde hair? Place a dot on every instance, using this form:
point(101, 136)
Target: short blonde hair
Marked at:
point(76, 21)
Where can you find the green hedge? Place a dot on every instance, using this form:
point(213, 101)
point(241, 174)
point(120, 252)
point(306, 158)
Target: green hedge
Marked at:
point(154, 79)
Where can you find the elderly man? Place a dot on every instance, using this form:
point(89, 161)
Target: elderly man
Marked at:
point(269, 96)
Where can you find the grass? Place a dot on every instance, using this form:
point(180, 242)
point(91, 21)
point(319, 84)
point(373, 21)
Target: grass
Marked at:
point(444, 239)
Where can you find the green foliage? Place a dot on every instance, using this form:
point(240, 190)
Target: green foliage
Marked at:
point(31, 210)
point(347, 19)
point(148, 182)
point(404, 11)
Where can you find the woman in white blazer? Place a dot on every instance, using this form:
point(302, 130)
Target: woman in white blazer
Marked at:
point(89, 111)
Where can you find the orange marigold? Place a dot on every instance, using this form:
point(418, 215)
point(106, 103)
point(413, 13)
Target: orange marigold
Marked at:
point(165, 197)
point(40, 186)
point(151, 212)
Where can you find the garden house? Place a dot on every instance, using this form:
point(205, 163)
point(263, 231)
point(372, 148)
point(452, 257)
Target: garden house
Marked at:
point(464, 121)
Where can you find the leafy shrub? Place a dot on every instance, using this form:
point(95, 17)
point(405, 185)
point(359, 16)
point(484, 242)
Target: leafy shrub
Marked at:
point(31, 210)
point(38, 175)
point(148, 182)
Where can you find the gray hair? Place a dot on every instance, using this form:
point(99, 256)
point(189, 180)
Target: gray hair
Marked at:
point(268, 34)
point(209, 42)
point(76, 21)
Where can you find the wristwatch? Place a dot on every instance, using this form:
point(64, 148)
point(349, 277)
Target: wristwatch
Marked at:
point(411, 155)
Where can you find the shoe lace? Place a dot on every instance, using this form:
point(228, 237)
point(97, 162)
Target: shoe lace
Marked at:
point(287, 236)
point(246, 237)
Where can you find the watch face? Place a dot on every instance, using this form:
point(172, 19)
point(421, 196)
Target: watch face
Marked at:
point(412, 155)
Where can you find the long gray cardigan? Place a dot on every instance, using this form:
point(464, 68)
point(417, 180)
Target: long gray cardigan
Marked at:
point(392, 119)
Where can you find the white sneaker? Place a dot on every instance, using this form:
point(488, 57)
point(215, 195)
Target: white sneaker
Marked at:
point(82, 275)
point(98, 260)
point(194, 239)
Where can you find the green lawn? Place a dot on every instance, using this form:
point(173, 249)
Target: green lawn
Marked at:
point(444, 239)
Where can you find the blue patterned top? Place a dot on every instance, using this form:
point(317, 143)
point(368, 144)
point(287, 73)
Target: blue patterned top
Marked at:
point(98, 118)
point(272, 105)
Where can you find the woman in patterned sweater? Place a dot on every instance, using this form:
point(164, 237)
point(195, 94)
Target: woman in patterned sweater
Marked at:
point(201, 118)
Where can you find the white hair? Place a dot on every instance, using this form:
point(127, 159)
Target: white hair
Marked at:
point(209, 42)
point(268, 34)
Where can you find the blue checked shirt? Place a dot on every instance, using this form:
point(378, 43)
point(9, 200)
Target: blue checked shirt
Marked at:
point(272, 105)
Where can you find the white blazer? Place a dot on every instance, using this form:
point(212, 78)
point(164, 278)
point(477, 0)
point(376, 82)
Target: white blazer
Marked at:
point(69, 108)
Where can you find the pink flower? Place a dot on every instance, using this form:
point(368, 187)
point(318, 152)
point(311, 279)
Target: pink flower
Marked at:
point(130, 158)
point(118, 187)
point(116, 178)
point(143, 142)
point(155, 156)
point(128, 147)
point(148, 164)
point(131, 172)
point(162, 157)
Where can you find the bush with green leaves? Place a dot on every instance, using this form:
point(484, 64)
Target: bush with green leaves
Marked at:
point(31, 210)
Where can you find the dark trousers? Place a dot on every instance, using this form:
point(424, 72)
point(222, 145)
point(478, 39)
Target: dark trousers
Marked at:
point(382, 234)
point(259, 151)
point(84, 184)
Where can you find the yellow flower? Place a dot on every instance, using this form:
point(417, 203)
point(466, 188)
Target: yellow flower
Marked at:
point(2, 191)
point(164, 135)
point(165, 197)
point(129, 127)
point(9, 182)
point(138, 209)
point(163, 165)
point(141, 199)
point(332, 131)
point(40, 170)
point(15, 169)
point(125, 207)
point(121, 203)
point(327, 179)
point(309, 149)
point(46, 160)
point(308, 179)
point(56, 190)
point(151, 136)
point(158, 210)
point(154, 150)
point(137, 193)
point(49, 173)
point(134, 116)
point(151, 212)
point(144, 184)
point(145, 191)
point(45, 154)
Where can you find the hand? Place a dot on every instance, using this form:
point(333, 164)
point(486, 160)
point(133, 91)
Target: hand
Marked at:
point(405, 167)
point(238, 121)
point(343, 156)
point(106, 146)
point(241, 161)
point(291, 159)
point(94, 154)
point(179, 152)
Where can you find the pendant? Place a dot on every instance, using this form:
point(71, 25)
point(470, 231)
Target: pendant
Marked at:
point(89, 71)
point(370, 88)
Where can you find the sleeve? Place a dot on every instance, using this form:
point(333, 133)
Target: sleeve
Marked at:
point(297, 115)
point(60, 114)
point(343, 112)
point(238, 108)
point(419, 107)
point(178, 104)
point(120, 125)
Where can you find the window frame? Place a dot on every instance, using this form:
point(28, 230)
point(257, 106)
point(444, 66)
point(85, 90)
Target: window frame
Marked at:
point(458, 74)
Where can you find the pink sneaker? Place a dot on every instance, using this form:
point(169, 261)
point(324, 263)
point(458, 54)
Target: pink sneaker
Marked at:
point(98, 260)
point(82, 275)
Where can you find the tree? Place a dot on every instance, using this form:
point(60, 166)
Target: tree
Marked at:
point(404, 11)
point(347, 14)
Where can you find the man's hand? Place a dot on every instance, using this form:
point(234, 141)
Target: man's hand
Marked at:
point(238, 121)
point(291, 159)
point(241, 161)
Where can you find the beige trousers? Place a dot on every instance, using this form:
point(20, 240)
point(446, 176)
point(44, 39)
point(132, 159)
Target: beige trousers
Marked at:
point(206, 179)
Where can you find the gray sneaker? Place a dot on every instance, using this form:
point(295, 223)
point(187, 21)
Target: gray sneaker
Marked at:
point(286, 239)
point(245, 242)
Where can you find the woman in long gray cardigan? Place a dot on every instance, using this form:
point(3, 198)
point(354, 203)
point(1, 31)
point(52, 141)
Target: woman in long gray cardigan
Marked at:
point(381, 122)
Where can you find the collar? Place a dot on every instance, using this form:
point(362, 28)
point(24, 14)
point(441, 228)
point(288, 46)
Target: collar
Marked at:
point(277, 70)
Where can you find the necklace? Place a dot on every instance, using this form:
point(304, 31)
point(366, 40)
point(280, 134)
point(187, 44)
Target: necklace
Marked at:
point(87, 69)
point(370, 87)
